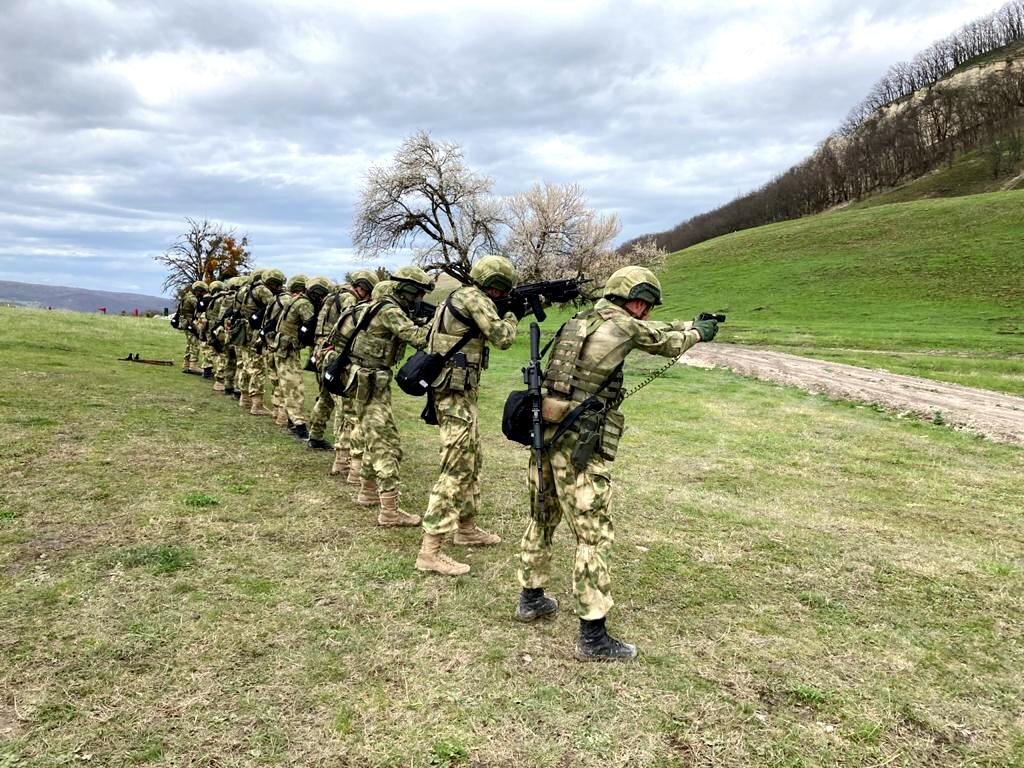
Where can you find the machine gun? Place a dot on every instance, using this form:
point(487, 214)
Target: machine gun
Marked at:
point(532, 377)
point(536, 295)
point(423, 312)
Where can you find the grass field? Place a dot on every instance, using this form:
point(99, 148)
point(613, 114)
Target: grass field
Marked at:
point(930, 288)
point(181, 584)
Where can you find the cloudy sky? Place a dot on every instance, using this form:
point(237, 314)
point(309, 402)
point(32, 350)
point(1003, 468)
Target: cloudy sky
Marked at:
point(119, 119)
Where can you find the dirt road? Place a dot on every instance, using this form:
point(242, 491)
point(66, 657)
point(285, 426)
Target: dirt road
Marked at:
point(995, 415)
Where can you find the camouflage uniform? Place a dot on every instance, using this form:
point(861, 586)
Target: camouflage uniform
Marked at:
point(271, 329)
point(582, 496)
point(374, 351)
point(455, 496)
point(326, 403)
point(186, 315)
point(256, 298)
point(238, 338)
point(299, 313)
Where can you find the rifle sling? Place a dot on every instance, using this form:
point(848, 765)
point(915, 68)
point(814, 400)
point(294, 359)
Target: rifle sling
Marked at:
point(566, 424)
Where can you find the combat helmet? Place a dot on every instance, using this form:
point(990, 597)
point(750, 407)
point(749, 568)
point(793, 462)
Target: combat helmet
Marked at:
point(297, 283)
point(365, 278)
point(199, 286)
point(216, 286)
point(412, 280)
point(630, 283)
point(494, 272)
point(317, 288)
point(272, 277)
point(383, 289)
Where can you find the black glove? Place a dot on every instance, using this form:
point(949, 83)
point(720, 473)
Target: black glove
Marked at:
point(517, 305)
point(706, 328)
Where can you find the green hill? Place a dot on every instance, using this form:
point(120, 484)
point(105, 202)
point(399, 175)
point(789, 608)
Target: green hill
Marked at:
point(931, 288)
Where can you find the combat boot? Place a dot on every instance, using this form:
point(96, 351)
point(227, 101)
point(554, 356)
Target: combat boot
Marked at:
point(207, 373)
point(318, 444)
point(390, 515)
point(299, 432)
point(218, 386)
point(469, 535)
point(281, 416)
point(341, 459)
point(257, 406)
point(244, 401)
point(431, 558)
point(237, 394)
point(355, 468)
point(368, 495)
point(534, 604)
point(595, 644)
point(229, 391)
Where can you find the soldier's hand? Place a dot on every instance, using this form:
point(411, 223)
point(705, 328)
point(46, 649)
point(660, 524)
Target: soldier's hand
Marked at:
point(518, 306)
point(706, 328)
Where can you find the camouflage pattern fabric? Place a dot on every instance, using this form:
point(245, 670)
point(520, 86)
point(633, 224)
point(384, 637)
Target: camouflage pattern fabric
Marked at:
point(277, 396)
point(326, 403)
point(583, 497)
point(456, 494)
point(290, 385)
point(192, 353)
point(186, 314)
point(242, 369)
point(256, 372)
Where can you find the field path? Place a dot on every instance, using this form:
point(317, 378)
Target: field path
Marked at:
point(997, 416)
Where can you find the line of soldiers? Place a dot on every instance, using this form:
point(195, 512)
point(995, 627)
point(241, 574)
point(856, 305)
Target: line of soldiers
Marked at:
point(251, 329)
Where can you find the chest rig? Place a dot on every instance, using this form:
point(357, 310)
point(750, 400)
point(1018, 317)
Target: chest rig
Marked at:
point(377, 347)
point(451, 326)
point(586, 360)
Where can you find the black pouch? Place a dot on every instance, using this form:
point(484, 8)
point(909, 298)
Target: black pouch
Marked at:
point(517, 418)
point(429, 413)
point(334, 375)
point(416, 374)
point(176, 321)
point(590, 425)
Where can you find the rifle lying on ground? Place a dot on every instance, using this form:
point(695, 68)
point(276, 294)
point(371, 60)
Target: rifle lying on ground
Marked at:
point(536, 295)
point(136, 359)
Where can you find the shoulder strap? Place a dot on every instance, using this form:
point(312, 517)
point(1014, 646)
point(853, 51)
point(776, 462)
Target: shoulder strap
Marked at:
point(361, 325)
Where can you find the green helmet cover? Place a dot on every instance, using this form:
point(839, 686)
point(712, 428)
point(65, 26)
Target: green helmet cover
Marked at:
point(318, 286)
point(297, 283)
point(382, 289)
point(412, 280)
point(630, 283)
point(273, 276)
point(494, 272)
point(367, 277)
point(199, 285)
point(216, 286)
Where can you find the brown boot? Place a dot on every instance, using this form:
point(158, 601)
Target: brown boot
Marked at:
point(218, 386)
point(355, 467)
point(431, 558)
point(281, 416)
point(257, 407)
point(469, 535)
point(244, 401)
point(341, 459)
point(368, 496)
point(390, 515)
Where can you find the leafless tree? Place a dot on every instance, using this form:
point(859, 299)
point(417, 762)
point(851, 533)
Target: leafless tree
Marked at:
point(554, 233)
point(428, 199)
point(207, 251)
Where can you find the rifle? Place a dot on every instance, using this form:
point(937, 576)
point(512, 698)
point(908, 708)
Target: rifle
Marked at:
point(535, 295)
point(423, 312)
point(136, 359)
point(718, 318)
point(532, 379)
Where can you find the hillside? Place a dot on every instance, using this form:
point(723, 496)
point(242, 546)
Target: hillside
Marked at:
point(79, 299)
point(931, 288)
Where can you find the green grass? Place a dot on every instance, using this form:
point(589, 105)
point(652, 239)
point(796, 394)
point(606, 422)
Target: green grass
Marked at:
point(810, 583)
point(930, 288)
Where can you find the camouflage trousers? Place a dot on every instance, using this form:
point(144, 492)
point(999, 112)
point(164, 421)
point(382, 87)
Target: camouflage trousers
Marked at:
point(290, 384)
point(191, 352)
point(241, 369)
point(224, 367)
point(206, 355)
point(256, 368)
point(456, 494)
point(382, 446)
point(274, 377)
point(348, 435)
point(583, 499)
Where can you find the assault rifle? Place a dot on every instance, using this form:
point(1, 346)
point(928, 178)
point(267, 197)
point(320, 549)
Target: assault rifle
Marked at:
point(423, 312)
point(532, 378)
point(536, 295)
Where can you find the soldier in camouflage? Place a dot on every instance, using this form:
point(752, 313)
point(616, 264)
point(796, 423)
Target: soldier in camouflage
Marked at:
point(348, 444)
point(214, 301)
point(295, 331)
point(228, 359)
point(455, 498)
point(583, 388)
point(187, 309)
point(271, 320)
point(257, 297)
point(373, 352)
point(238, 337)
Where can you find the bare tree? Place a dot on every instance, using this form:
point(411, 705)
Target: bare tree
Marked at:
point(205, 252)
point(428, 199)
point(554, 233)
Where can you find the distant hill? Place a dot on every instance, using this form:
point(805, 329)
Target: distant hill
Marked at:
point(79, 299)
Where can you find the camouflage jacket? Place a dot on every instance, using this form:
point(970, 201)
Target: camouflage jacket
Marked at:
point(468, 311)
point(299, 312)
point(382, 343)
point(335, 303)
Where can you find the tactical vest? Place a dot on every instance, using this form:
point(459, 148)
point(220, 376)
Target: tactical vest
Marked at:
point(585, 354)
point(331, 309)
point(450, 326)
point(377, 347)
